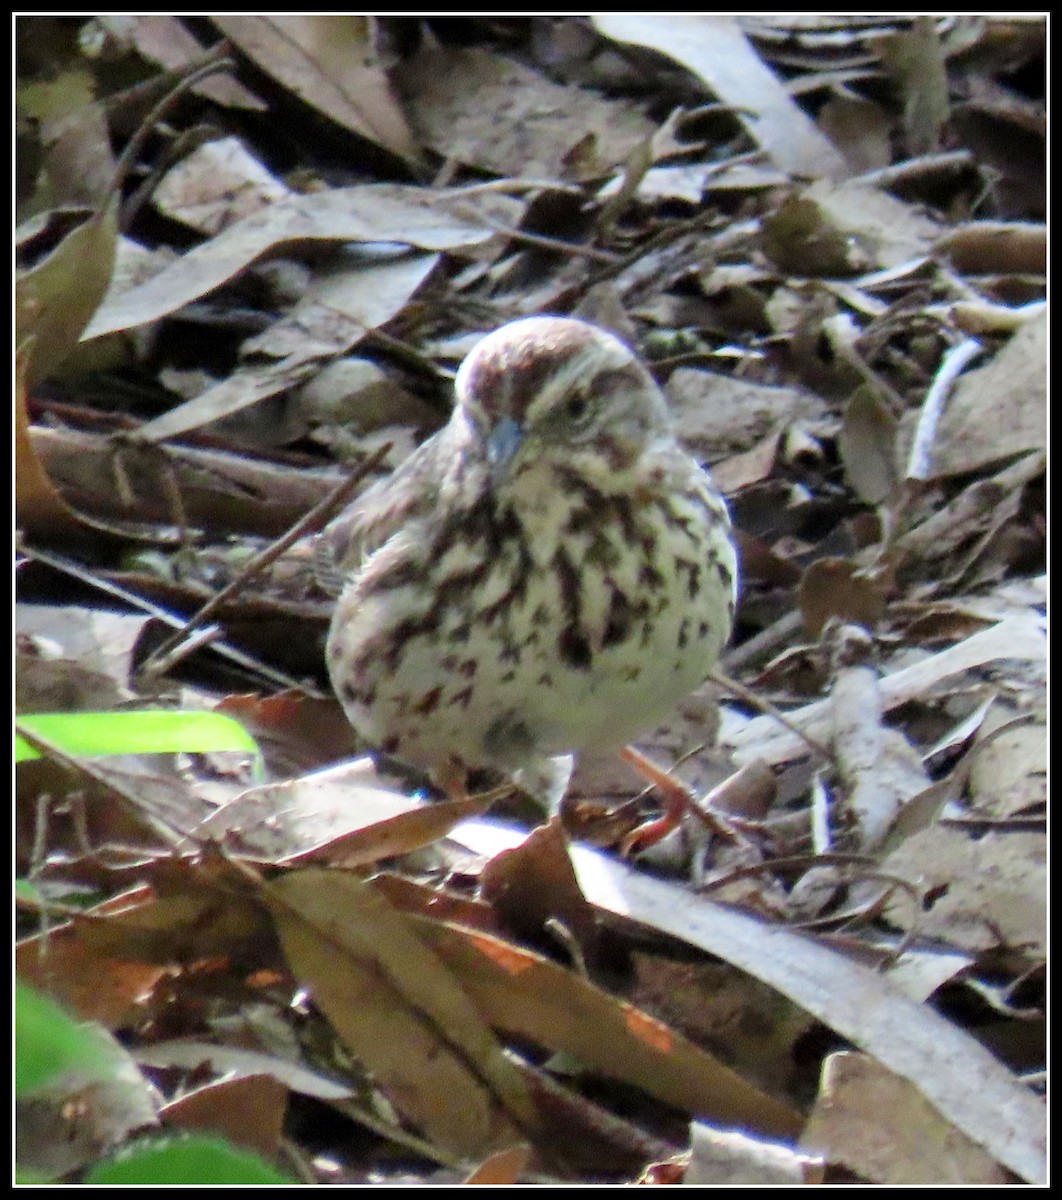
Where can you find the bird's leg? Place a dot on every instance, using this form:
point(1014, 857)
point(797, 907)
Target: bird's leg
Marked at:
point(677, 801)
point(452, 779)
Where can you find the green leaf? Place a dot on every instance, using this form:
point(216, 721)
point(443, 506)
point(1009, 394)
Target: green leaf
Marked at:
point(187, 1160)
point(48, 1043)
point(97, 735)
point(28, 892)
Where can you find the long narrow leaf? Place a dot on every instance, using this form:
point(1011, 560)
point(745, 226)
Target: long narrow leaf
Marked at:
point(100, 734)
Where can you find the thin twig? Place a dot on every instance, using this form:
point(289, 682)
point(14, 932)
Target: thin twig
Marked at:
point(951, 366)
point(789, 862)
point(764, 643)
point(915, 168)
point(765, 706)
point(868, 871)
point(551, 243)
point(311, 522)
point(242, 659)
point(158, 663)
point(215, 60)
point(821, 841)
point(519, 185)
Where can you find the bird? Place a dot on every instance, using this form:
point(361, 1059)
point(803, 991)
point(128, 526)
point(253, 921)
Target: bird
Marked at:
point(550, 573)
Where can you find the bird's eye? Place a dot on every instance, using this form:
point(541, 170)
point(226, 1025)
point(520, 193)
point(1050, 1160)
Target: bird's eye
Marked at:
point(576, 408)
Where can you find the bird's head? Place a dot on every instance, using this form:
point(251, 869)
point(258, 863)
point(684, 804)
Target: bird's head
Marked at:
point(556, 388)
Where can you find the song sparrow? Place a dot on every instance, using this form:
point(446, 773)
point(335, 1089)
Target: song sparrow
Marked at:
point(549, 573)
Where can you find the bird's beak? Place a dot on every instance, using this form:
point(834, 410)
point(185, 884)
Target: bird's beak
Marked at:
point(503, 441)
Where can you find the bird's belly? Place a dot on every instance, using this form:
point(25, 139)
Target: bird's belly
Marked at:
point(631, 683)
point(579, 644)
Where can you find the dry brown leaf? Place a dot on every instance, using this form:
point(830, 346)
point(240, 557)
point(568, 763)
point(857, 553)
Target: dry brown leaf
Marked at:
point(978, 318)
point(327, 60)
point(996, 247)
point(758, 560)
point(424, 900)
point(878, 1125)
point(729, 1158)
point(842, 229)
point(530, 997)
point(930, 624)
point(915, 59)
point(133, 264)
point(801, 239)
point(925, 809)
point(951, 526)
point(400, 834)
point(400, 1011)
point(502, 1168)
point(218, 490)
point(382, 212)
point(1018, 637)
point(1006, 132)
point(342, 810)
point(980, 894)
point(961, 1079)
point(246, 387)
point(867, 442)
point(92, 642)
point(136, 811)
point(860, 129)
point(742, 1021)
point(748, 466)
point(878, 768)
point(971, 434)
point(956, 738)
point(47, 683)
point(92, 984)
point(691, 181)
point(714, 48)
point(56, 297)
point(40, 511)
point(166, 41)
point(247, 1111)
point(1009, 775)
point(341, 303)
point(193, 921)
point(331, 321)
point(218, 184)
point(479, 108)
point(358, 394)
point(718, 415)
point(535, 884)
point(841, 588)
point(296, 731)
point(919, 973)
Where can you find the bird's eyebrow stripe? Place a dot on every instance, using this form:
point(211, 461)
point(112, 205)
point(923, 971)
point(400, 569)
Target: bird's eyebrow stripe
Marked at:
point(576, 371)
point(609, 381)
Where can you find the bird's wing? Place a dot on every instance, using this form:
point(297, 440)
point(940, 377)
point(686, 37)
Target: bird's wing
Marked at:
point(380, 511)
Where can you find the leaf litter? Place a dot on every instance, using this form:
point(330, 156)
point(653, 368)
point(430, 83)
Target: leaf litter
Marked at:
point(803, 223)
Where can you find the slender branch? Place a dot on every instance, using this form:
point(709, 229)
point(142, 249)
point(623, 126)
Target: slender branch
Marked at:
point(162, 657)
